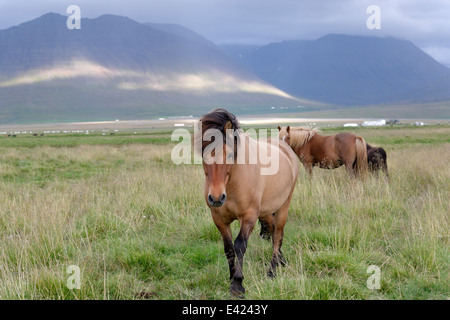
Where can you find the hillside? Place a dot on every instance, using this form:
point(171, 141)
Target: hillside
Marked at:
point(117, 68)
point(349, 70)
point(114, 68)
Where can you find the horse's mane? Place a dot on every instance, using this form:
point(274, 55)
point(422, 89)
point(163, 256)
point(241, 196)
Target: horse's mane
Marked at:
point(301, 135)
point(220, 119)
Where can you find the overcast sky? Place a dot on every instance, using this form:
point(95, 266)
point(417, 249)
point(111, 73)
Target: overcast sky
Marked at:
point(424, 22)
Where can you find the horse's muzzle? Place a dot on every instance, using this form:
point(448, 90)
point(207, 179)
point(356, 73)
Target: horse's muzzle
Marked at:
point(213, 202)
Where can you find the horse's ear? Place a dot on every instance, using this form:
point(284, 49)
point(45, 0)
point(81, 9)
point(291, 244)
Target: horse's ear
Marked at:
point(288, 128)
point(279, 128)
point(228, 125)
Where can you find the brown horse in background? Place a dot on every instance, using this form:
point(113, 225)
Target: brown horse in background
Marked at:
point(327, 152)
point(377, 159)
point(238, 191)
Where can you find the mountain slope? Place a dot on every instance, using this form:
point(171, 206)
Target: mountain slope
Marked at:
point(114, 68)
point(180, 31)
point(351, 70)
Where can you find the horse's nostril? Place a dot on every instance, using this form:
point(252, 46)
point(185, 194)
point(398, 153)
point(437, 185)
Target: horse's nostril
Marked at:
point(216, 202)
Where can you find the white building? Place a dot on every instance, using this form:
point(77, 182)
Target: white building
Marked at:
point(381, 122)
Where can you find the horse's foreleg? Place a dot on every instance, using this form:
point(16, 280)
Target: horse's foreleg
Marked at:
point(225, 231)
point(309, 168)
point(240, 246)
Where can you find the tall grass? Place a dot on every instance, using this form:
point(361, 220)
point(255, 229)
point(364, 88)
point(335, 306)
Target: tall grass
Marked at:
point(134, 222)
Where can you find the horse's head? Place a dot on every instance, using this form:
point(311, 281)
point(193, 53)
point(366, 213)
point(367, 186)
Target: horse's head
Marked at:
point(296, 137)
point(218, 158)
point(217, 173)
point(285, 134)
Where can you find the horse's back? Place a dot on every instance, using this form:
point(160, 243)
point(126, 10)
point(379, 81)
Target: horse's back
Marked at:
point(345, 142)
point(287, 160)
point(345, 138)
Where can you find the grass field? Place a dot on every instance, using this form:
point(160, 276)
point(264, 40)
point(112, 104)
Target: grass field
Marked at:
point(132, 221)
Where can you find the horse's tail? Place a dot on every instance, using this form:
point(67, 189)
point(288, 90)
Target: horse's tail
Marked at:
point(362, 166)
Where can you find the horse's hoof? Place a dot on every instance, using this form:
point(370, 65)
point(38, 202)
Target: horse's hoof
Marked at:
point(271, 273)
point(237, 290)
point(146, 295)
point(265, 236)
point(265, 233)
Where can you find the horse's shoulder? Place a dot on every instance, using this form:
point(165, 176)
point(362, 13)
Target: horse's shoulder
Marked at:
point(288, 152)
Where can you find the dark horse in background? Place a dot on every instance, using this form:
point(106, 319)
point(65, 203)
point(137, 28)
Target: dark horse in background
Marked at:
point(377, 160)
point(238, 191)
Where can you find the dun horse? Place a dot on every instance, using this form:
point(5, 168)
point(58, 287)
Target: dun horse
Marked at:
point(327, 152)
point(238, 191)
point(377, 159)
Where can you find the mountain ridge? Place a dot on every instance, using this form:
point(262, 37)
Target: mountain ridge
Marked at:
point(115, 67)
point(348, 70)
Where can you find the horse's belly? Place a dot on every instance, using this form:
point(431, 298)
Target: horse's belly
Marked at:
point(273, 200)
point(268, 209)
point(329, 164)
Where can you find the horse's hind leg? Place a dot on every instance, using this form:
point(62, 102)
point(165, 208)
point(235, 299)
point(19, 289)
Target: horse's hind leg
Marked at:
point(385, 169)
point(383, 162)
point(351, 168)
point(267, 224)
point(277, 238)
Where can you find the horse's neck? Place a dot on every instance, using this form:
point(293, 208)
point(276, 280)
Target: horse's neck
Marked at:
point(250, 149)
point(311, 146)
point(305, 145)
point(246, 146)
